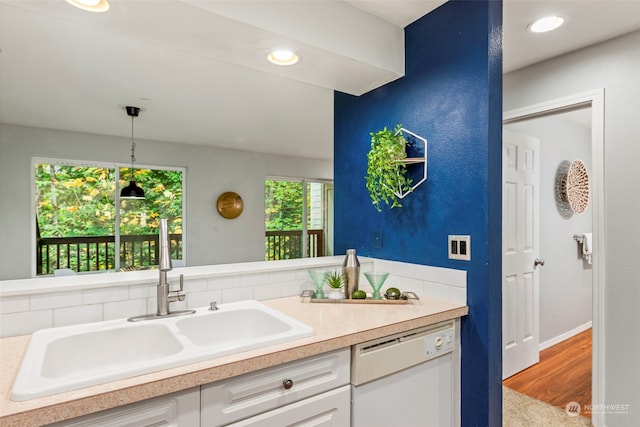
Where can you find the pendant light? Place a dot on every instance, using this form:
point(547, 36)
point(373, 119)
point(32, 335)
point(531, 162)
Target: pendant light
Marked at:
point(132, 191)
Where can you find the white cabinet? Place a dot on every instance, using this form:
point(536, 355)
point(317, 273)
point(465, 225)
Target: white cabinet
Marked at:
point(279, 388)
point(314, 391)
point(181, 409)
point(329, 409)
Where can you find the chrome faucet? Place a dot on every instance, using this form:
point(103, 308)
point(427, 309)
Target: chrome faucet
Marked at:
point(165, 295)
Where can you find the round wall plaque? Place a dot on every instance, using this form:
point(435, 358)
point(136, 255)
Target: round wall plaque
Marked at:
point(577, 187)
point(230, 205)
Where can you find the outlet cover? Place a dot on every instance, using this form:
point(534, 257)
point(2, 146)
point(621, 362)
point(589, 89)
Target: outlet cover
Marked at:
point(459, 247)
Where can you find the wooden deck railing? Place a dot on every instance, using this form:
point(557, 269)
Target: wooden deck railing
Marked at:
point(95, 253)
point(288, 244)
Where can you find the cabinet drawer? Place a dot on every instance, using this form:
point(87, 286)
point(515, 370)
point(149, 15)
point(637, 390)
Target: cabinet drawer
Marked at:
point(181, 409)
point(244, 396)
point(329, 409)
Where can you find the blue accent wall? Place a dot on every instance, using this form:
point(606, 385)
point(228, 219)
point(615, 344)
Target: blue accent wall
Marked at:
point(451, 95)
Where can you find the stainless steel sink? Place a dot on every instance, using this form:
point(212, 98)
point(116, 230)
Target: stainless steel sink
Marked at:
point(73, 357)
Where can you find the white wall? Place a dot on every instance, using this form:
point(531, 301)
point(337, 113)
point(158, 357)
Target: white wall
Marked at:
point(210, 238)
point(614, 66)
point(565, 279)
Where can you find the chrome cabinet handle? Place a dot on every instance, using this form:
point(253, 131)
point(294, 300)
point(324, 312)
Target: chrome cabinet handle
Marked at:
point(287, 384)
point(538, 262)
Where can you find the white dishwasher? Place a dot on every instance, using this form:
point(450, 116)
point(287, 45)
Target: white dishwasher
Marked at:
point(406, 379)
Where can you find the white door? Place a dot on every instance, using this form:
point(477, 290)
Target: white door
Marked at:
point(520, 247)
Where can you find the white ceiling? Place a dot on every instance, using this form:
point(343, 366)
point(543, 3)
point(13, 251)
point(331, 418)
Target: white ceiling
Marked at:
point(197, 68)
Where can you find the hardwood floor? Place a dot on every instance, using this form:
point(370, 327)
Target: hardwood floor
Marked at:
point(563, 374)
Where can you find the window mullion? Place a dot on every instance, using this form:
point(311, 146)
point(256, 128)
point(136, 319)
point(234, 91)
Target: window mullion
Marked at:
point(305, 214)
point(116, 264)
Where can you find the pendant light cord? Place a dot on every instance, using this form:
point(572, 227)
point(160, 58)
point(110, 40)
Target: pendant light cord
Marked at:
point(133, 149)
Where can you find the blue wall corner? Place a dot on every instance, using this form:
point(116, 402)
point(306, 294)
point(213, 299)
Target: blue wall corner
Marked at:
point(451, 95)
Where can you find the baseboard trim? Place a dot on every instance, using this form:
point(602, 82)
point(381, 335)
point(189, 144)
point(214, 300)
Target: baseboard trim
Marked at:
point(555, 340)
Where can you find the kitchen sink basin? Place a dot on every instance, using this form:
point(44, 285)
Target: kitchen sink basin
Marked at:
point(232, 328)
point(78, 355)
point(69, 358)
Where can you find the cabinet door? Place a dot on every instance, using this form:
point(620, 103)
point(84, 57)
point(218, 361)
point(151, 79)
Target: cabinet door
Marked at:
point(329, 409)
point(181, 409)
point(241, 397)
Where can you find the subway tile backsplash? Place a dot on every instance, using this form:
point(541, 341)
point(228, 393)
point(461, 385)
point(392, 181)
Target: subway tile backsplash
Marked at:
point(24, 314)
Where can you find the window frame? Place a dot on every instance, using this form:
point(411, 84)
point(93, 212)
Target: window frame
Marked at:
point(305, 211)
point(109, 165)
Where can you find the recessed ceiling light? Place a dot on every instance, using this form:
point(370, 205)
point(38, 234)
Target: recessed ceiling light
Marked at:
point(282, 57)
point(90, 5)
point(548, 23)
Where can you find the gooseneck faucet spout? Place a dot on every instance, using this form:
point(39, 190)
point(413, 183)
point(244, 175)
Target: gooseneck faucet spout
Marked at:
point(164, 265)
point(165, 295)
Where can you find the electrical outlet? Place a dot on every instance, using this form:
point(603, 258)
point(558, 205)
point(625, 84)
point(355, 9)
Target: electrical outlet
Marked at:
point(460, 247)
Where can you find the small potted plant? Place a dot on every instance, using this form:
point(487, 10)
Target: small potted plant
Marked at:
point(336, 281)
point(386, 174)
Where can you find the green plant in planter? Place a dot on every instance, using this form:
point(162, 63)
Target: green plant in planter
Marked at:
point(386, 174)
point(335, 280)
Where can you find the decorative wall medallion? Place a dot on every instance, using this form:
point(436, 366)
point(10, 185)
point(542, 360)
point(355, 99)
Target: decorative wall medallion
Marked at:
point(575, 187)
point(230, 205)
point(560, 189)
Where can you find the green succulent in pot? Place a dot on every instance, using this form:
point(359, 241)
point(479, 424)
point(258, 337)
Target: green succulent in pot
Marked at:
point(386, 173)
point(335, 280)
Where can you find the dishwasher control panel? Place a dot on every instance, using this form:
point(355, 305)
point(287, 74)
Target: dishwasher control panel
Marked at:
point(384, 356)
point(439, 343)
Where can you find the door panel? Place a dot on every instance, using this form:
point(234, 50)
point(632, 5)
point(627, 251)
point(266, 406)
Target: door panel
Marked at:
point(520, 242)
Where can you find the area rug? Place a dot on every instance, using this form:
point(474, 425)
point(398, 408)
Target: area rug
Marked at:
point(519, 410)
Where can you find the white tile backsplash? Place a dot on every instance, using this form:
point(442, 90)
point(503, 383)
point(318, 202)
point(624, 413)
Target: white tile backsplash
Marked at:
point(121, 309)
point(142, 291)
point(76, 315)
point(458, 295)
point(203, 299)
point(437, 290)
point(25, 322)
point(254, 279)
point(282, 276)
point(55, 300)
point(14, 304)
point(237, 294)
point(288, 289)
point(267, 291)
point(195, 285)
point(152, 306)
point(24, 314)
point(219, 283)
point(103, 295)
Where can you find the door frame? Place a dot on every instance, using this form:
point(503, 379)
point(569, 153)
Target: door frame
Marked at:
point(594, 99)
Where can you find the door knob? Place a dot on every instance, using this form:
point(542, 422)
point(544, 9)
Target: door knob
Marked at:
point(538, 262)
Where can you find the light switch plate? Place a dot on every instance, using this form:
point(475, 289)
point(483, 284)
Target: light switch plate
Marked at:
point(460, 247)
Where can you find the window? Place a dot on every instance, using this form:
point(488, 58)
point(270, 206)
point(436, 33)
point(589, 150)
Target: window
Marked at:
point(79, 229)
point(298, 218)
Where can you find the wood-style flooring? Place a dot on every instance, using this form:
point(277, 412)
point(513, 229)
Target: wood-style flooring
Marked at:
point(563, 374)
